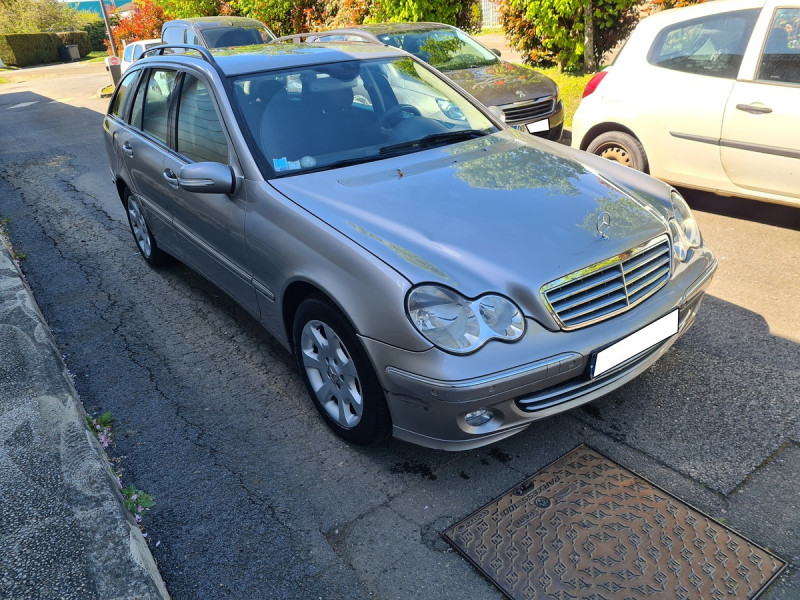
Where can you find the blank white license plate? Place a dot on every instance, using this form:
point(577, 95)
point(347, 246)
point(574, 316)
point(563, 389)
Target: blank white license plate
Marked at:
point(538, 126)
point(628, 347)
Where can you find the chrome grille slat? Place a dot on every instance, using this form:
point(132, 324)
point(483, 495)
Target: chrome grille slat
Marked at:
point(571, 315)
point(609, 287)
point(644, 272)
point(587, 283)
point(527, 111)
point(590, 296)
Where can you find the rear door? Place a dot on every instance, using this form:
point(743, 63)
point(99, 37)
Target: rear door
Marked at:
point(140, 146)
point(760, 141)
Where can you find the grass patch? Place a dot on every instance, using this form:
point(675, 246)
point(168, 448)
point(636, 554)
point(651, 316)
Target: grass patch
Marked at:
point(4, 80)
point(95, 56)
point(571, 86)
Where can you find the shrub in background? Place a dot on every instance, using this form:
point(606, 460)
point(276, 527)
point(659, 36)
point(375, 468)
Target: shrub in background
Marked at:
point(550, 32)
point(96, 31)
point(26, 49)
point(76, 38)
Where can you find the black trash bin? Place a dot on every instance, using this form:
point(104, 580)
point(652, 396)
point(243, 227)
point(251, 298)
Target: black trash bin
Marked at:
point(69, 53)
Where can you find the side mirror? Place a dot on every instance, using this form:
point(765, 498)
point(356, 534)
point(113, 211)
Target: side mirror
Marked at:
point(495, 51)
point(206, 178)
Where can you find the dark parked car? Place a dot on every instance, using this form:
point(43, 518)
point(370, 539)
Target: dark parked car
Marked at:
point(529, 100)
point(437, 275)
point(216, 32)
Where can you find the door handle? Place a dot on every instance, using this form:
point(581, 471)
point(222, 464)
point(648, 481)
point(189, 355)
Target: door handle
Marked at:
point(753, 109)
point(171, 178)
point(127, 149)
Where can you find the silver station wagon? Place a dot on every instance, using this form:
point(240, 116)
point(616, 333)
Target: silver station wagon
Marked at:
point(436, 274)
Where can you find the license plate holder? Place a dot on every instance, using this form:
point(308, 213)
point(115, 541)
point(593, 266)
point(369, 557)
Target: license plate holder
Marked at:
point(637, 342)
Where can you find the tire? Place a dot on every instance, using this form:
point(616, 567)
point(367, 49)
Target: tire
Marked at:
point(620, 147)
point(337, 373)
point(141, 232)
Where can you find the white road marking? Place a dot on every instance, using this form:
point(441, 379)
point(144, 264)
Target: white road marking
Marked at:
point(23, 104)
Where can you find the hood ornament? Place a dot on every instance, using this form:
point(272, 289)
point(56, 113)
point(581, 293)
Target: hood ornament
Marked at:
point(520, 93)
point(603, 225)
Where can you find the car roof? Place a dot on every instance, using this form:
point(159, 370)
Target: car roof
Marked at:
point(218, 21)
point(391, 28)
point(676, 15)
point(265, 57)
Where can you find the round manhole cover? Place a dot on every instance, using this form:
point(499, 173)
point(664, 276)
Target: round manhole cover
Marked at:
point(542, 502)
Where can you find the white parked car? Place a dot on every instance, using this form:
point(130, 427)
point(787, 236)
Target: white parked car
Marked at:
point(134, 51)
point(707, 97)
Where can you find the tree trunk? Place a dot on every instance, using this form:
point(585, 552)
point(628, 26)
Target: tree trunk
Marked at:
point(589, 63)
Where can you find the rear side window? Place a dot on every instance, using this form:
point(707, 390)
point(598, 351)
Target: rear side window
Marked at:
point(780, 60)
point(158, 94)
point(200, 133)
point(712, 46)
point(172, 35)
point(122, 97)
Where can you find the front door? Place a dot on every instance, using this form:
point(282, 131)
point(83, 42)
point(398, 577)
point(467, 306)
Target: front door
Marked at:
point(210, 227)
point(760, 141)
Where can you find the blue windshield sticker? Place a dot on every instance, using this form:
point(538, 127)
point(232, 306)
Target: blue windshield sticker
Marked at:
point(280, 164)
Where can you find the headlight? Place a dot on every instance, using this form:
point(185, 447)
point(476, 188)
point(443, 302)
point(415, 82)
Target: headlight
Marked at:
point(684, 229)
point(457, 324)
point(450, 110)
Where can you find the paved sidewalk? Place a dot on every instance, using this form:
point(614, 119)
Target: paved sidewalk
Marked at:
point(64, 530)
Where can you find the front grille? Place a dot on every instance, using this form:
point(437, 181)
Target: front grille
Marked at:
point(525, 112)
point(609, 287)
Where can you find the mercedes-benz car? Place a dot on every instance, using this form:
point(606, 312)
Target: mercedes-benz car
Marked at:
point(445, 279)
point(528, 100)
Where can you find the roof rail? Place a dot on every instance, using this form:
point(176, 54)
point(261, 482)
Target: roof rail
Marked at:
point(203, 51)
point(297, 38)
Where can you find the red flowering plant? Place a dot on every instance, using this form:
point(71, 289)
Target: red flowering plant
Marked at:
point(143, 23)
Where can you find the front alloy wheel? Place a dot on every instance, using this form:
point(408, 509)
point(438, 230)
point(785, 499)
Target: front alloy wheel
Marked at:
point(338, 374)
point(332, 374)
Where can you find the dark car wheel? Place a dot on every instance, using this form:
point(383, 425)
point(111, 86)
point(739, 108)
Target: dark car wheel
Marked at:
point(338, 374)
point(621, 147)
point(141, 232)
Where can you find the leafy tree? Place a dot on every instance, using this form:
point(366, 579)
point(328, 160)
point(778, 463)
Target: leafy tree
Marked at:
point(415, 10)
point(182, 9)
point(143, 23)
point(552, 31)
point(282, 16)
point(34, 16)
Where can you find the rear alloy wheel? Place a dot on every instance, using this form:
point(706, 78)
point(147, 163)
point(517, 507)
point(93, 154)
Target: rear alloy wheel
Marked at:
point(141, 232)
point(337, 373)
point(620, 147)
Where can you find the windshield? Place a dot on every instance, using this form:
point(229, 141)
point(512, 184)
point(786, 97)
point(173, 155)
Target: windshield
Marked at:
point(446, 49)
point(336, 114)
point(225, 37)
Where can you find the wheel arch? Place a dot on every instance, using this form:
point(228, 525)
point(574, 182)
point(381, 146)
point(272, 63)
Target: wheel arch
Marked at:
point(293, 296)
point(602, 128)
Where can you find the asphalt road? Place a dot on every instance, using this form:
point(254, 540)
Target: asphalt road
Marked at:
point(257, 499)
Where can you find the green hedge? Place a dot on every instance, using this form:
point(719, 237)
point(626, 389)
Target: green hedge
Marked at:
point(26, 49)
point(76, 38)
point(97, 35)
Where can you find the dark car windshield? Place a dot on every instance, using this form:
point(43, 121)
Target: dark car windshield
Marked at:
point(225, 37)
point(338, 114)
point(446, 49)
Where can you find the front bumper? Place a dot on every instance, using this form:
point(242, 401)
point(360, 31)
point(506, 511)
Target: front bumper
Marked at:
point(429, 408)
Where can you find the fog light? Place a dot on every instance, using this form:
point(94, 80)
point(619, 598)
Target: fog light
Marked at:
point(478, 417)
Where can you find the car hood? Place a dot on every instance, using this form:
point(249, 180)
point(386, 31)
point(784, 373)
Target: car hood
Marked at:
point(503, 83)
point(505, 213)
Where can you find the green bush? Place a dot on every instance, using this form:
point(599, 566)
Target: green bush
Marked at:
point(76, 38)
point(97, 35)
point(25, 49)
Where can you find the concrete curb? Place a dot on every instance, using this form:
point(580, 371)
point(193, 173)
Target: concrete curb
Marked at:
point(65, 530)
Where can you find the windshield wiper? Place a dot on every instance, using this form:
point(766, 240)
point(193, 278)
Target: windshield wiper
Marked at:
point(434, 139)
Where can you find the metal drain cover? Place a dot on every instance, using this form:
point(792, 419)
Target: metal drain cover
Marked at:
point(587, 528)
